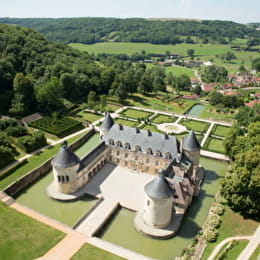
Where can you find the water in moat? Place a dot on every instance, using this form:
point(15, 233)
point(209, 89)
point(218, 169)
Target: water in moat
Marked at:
point(121, 230)
point(196, 110)
point(36, 198)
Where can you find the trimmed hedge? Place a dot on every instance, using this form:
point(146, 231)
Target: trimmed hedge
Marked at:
point(12, 169)
point(59, 127)
point(6, 156)
point(32, 142)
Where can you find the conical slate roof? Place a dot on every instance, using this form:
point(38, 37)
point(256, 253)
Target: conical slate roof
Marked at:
point(190, 142)
point(158, 188)
point(65, 157)
point(107, 123)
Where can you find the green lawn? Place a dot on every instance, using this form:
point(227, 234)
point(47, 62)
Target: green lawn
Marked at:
point(88, 116)
point(126, 122)
point(234, 252)
point(220, 130)
point(256, 254)
point(232, 225)
point(196, 126)
point(136, 114)
point(214, 145)
point(159, 119)
point(156, 101)
point(90, 252)
point(34, 162)
point(152, 128)
point(203, 52)
point(23, 238)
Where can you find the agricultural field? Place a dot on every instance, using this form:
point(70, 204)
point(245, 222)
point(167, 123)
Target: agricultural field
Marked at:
point(59, 126)
point(214, 145)
point(203, 52)
point(23, 237)
point(196, 126)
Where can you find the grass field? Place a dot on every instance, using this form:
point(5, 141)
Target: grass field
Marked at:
point(136, 114)
point(34, 162)
point(23, 238)
point(232, 225)
point(126, 122)
point(88, 116)
point(91, 252)
point(159, 119)
point(152, 128)
point(196, 126)
point(220, 130)
point(214, 145)
point(204, 52)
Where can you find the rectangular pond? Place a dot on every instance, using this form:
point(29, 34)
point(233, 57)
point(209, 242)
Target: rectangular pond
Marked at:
point(121, 229)
point(35, 197)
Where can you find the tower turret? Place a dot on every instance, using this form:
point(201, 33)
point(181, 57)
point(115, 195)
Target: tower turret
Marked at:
point(191, 148)
point(65, 166)
point(158, 202)
point(106, 124)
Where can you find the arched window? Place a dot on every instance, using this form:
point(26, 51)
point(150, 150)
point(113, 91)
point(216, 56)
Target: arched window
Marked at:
point(67, 178)
point(62, 179)
point(59, 179)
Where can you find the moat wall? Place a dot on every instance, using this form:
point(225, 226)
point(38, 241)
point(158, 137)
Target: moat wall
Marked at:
point(17, 186)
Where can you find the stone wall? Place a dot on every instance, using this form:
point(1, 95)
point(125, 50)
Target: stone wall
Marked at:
point(35, 174)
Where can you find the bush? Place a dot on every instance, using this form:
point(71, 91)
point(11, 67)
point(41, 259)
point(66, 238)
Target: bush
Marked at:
point(31, 143)
point(211, 235)
point(214, 221)
point(219, 209)
point(6, 156)
point(16, 131)
point(4, 140)
point(4, 123)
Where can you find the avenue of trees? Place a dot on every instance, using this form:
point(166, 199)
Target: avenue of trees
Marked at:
point(92, 30)
point(241, 187)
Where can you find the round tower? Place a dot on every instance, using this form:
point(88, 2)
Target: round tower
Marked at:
point(106, 124)
point(65, 166)
point(158, 205)
point(191, 148)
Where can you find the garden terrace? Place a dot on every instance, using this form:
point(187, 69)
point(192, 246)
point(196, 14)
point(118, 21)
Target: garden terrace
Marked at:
point(159, 119)
point(136, 114)
point(125, 122)
point(196, 126)
point(214, 145)
point(57, 126)
point(88, 116)
point(24, 237)
point(220, 130)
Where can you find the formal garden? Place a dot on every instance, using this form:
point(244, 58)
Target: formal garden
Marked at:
point(136, 114)
point(59, 126)
point(196, 126)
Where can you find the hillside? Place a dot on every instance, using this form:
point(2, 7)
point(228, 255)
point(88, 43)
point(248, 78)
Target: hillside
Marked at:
point(92, 30)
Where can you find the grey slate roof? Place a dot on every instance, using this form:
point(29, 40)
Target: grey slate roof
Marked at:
point(107, 122)
point(158, 188)
point(144, 139)
point(190, 142)
point(65, 157)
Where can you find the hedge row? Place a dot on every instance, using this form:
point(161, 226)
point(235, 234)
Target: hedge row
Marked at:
point(10, 170)
point(59, 127)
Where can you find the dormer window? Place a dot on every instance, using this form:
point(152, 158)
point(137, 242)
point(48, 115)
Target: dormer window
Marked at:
point(167, 155)
point(119, 144)
point(127, 146)
point(149, 151)
point(111, 142)
point(158, 153)
point(138, 148)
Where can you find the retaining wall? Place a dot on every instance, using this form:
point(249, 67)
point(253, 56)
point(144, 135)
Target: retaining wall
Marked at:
point(44, 168)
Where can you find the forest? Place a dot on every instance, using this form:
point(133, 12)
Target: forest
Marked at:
point(93, 30)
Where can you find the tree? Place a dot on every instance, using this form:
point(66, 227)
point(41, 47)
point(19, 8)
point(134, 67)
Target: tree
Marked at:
point(91, 99)
point(103, 102)
point(197, 89)
point(214, 74)
point(182, 83)
point(256, 64)
point(215, 98)
point(190, 52)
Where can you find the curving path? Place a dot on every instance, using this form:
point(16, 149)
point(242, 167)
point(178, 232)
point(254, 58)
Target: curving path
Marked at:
point(222, 243)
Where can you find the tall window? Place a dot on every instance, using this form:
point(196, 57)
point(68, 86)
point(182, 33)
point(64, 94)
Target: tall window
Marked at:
point(67, 178)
